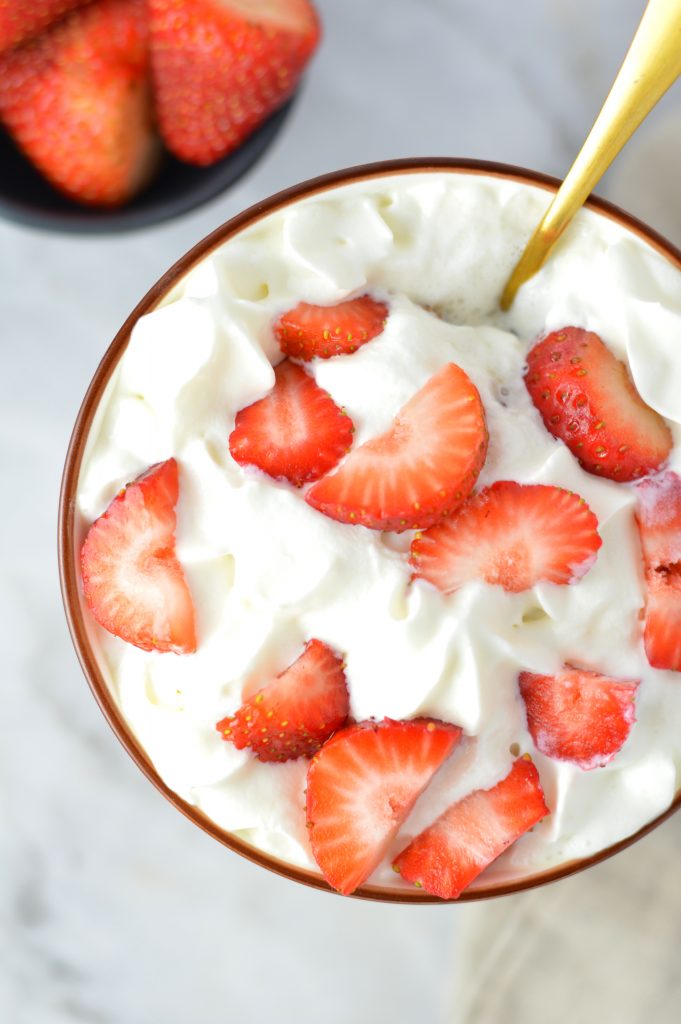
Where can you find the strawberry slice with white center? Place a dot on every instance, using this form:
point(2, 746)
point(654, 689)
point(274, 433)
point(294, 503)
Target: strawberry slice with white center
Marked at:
point(659, 522)
point(296, 433)
point(587, 398)
point(509, 534)
point(362, 785)
point(298, 711)
point(419, 470)
point(579, 716)
point(462, 842)
point(133, 582)
point(309, 332)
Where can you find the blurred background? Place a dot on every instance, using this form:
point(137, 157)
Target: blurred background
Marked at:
point(114, 909)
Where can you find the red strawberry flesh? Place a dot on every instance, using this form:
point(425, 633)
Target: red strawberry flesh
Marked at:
point(659, 522)
point(221, 68)
point(362, 785)
point(132, 581)
point(578, 716)
point(513, 535)
point(587, 399)
point(294, 714)
point(21, 19)
point(420, 469)
point(307, 331)
point(77, 101)
point(296, 433)
point(462, 842)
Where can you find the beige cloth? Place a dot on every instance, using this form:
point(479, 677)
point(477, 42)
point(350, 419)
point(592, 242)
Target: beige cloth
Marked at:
point(602, 947)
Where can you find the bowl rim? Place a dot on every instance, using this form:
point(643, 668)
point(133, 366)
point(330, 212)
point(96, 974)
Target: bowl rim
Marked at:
point(70, 578)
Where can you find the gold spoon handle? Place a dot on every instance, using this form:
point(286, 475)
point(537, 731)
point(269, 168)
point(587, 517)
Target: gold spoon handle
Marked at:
point(652, 64)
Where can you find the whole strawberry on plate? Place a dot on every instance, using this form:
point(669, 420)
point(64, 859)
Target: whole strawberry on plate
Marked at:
point(221, 67)
point(77, 101)
point(21, 19)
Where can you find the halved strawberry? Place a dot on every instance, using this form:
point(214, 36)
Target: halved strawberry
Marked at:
point(587, 398)
point(221, 67)
point(77, 101)
point(21, 19)
point(421, 469)
point(362, 785)
point(659, 522)
point(306, 331)
point(296, 433)
point(132, 580)
point(462, 842)
point(578, 716)
point(298, 711)
point(513, 535)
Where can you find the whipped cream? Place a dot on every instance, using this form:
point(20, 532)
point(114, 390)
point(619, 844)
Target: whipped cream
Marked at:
point(267, 572)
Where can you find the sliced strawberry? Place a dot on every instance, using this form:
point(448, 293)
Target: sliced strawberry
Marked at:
point(362, 785)
point(662, 632)
point(421, 469)
point(21, 19)
point(462, 842)
point(658, 515)
point(132, 580)
point(306, 331)
point(221, 67)
point(578, 716)
point(513, 535)
point(659, 523)
point(298, 711)
point(587, 399)
point(78, 103)
point(296, 433)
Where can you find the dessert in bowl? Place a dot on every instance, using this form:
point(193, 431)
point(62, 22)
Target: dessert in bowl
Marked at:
point(394, 583)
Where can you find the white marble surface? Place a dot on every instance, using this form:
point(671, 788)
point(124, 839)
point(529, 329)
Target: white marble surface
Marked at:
point(113, 908)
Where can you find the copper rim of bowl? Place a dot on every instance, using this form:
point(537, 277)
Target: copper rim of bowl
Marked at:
point(68, 570)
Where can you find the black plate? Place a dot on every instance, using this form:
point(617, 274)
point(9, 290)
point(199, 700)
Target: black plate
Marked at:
point(26, 197)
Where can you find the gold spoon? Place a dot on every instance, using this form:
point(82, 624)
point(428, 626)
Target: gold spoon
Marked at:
point(652, 64)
